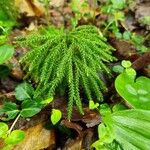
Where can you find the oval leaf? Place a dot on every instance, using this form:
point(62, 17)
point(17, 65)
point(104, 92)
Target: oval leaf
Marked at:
point(6, 52)
point(56, 116)
point(46, 101)
point(130, 128)
point(3, 129)
point(10, 110)
point(29, 108)
point(135, 92)
point(24, 91)
point(15, 137)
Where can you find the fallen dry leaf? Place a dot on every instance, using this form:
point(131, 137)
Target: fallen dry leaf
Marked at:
point(37, 137)
point(72, 125)
point(142, 61)
point(30, 7)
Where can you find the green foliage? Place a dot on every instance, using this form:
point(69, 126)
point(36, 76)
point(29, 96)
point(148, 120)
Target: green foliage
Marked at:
point(10, 138)
point(122, 128)
point(24, 91)
point(113, 9)
point(145, 20)
point(55, 116)
point(29, 107)
point(10, 109)
point(70, 60)
point(130, 128)
point(136, 40)
point(15, 137)
point(6, 52)
point(118, 69)
point(135, 91)
point(8, 15)
point(93, 105)
point(3, 129)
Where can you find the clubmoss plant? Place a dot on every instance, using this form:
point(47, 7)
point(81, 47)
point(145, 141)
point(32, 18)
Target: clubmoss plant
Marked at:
point(71, 60)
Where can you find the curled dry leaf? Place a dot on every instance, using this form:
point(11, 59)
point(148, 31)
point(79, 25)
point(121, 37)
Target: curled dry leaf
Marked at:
point(72, 125)
point(142, 61)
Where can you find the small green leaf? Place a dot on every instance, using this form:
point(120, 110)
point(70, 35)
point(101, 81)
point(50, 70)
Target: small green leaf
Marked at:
point(6, 52)
point(135, 92)
point(118, 4)
point(119, 16)
point(127, 35)
point(3, 129)
point(15, 137)
point(24, 91)
point(104, 109)
point(126, 63)
point(47, 101)
point(93, 105)
point(56, 116)
point(10, 109)
point(29, 108)
point(118, 69)
point(137, 39)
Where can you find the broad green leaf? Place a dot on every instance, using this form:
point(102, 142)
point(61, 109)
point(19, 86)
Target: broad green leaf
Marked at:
point(130, 128)
point(3, 129)
point(55, 116)
point(135, 92)
point(15, 137)
point(93, 105)
point(10, 109)
point(24, 91)
point(29, 108)
point(6, 52)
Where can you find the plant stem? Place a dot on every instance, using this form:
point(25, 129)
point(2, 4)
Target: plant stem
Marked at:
point(47, 11)
point(12, 126)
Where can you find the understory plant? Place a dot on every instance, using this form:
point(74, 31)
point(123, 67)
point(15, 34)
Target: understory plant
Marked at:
point(68, 61)
point(123, 127)
point(8, 16)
